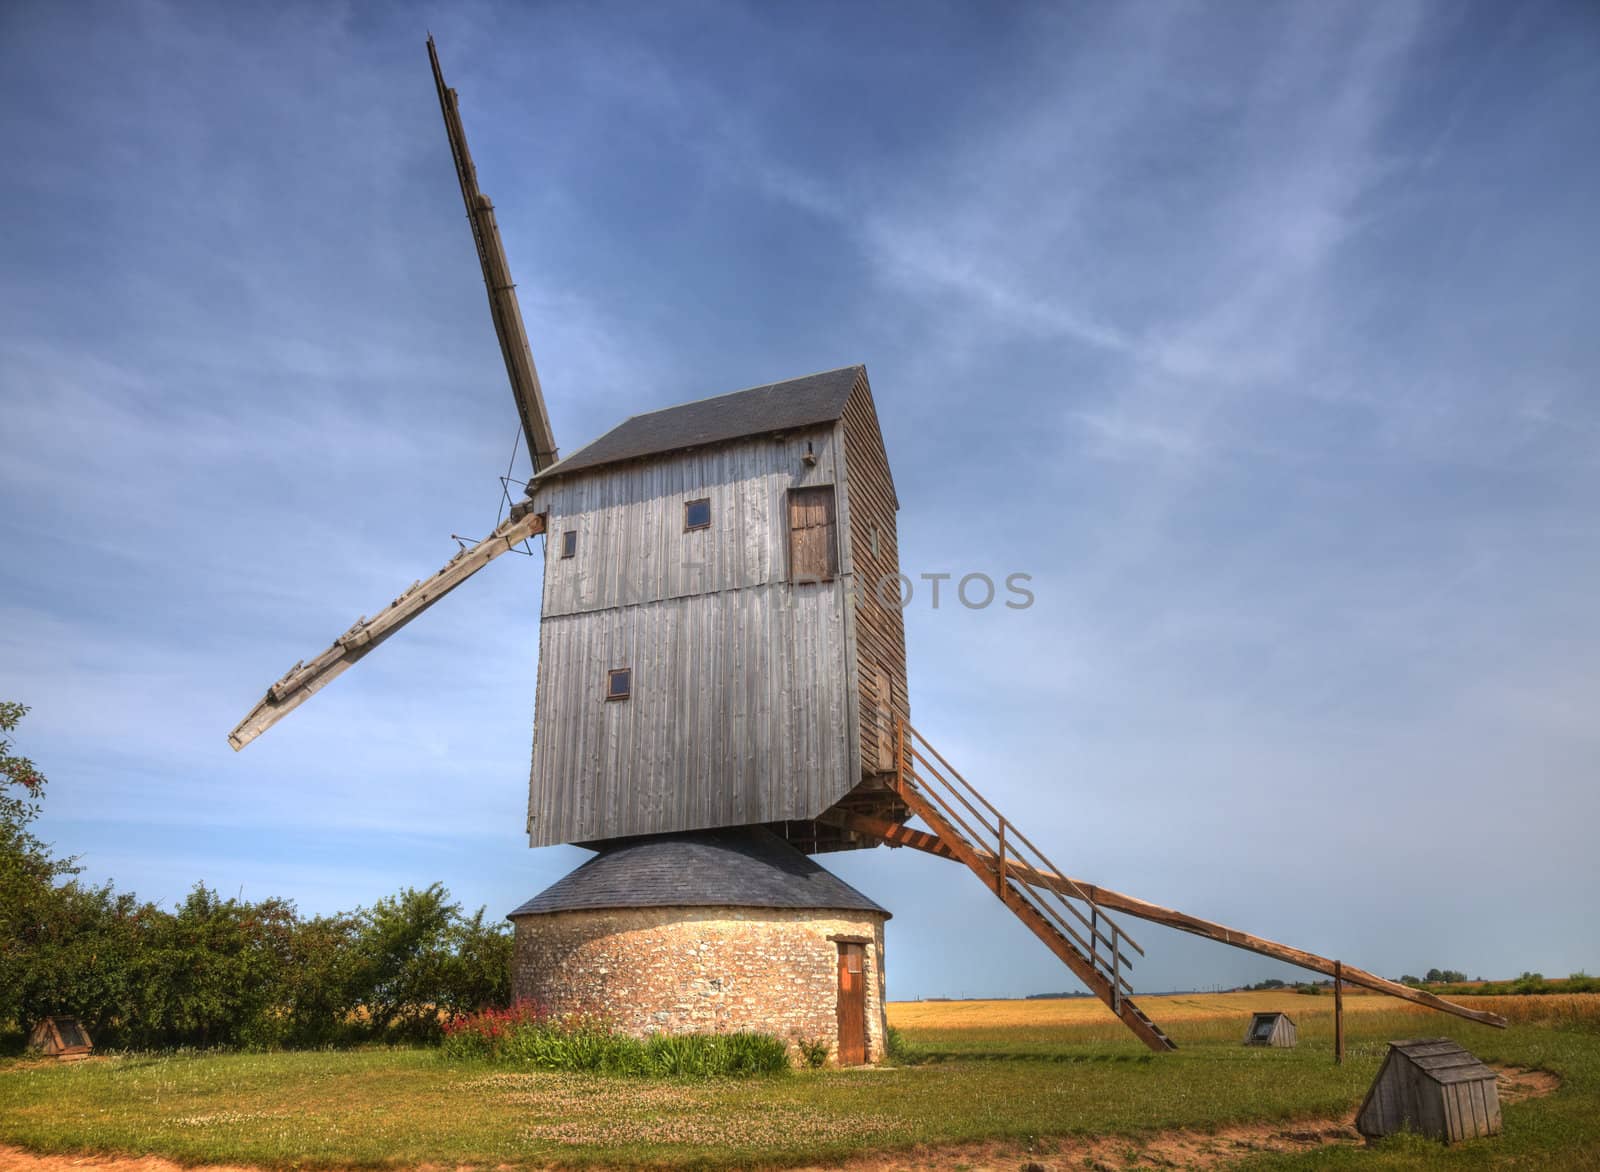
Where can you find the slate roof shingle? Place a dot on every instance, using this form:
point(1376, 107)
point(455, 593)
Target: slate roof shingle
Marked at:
point(782, 406)
point(746, 867)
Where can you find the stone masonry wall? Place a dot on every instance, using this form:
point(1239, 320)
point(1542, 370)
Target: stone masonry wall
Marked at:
point(687, 970)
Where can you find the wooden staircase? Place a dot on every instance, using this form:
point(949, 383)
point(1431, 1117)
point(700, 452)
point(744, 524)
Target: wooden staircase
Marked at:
point(1060, 913)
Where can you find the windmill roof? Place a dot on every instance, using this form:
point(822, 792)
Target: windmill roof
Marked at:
point(1442, 1060)
point(748, 867)
point(781, 406)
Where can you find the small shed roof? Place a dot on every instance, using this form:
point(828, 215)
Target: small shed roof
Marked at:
point(747, 867)
point(1442, 1060)
point(771, 407)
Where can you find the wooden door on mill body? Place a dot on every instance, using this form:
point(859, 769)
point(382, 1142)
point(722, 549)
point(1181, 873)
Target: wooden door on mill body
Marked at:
point(852, 1004)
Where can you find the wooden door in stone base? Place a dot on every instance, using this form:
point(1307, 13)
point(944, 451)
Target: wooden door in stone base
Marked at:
point(852, 1004)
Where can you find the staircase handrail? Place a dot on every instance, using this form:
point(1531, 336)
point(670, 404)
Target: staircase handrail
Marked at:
point(1111, 966)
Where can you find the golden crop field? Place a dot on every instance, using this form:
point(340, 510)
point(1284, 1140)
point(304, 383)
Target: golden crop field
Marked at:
point(1071, 1011)
point(1194, 1017)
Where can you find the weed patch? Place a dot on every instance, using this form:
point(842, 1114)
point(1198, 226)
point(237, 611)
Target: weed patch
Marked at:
point(525, 1036)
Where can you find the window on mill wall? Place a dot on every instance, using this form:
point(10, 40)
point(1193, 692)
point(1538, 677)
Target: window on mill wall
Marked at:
point(619, 683)
point(813, 542)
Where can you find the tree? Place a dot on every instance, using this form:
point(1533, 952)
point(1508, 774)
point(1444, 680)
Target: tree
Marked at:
point(27, 872)
point(402, 952)
point(417, 957)
point(212, 973)
point(16, 772)
point(479, 973)
point(322, 990)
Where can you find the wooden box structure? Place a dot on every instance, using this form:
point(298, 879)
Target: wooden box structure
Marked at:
point(1271, 1029)
point(60, 1037)
point(721, 642)
point(1434, 1087)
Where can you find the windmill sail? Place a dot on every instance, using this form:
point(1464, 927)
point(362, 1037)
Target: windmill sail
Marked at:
point(497, 281)
point(304, 680)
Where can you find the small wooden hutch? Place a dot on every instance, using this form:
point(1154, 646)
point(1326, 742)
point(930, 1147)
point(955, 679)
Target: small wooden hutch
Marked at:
point(1434, 1087)
point(62, 1037)
point(1271, 1029)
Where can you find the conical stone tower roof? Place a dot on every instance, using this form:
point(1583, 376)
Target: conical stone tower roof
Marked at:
point(746, 867)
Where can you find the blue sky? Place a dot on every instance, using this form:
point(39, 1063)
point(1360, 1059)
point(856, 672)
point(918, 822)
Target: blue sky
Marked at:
point(1262, 337)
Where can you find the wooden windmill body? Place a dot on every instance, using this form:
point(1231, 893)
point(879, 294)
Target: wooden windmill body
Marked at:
point(722, 690)
point(714, 650)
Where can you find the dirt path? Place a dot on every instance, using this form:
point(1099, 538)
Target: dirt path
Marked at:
point(1168, 1149)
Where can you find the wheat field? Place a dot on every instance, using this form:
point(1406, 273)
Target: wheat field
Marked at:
point(964, 1026)
point(1073, 1011)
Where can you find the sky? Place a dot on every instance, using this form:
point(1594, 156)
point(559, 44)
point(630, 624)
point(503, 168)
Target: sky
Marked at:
point(1261, 336)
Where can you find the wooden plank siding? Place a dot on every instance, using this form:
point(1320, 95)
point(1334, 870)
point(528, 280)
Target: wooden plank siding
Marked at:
point(632, 547)
point(873, 557)
point(737, 715)
point(742, 710)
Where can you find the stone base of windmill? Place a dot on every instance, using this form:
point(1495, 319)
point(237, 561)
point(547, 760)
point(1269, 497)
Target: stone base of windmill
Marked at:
point(714, 932)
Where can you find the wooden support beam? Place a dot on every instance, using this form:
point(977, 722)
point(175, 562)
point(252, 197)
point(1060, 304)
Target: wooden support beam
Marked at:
point(304, 680)
point(981, 863)
point(1338, 1012)
point(897, 834)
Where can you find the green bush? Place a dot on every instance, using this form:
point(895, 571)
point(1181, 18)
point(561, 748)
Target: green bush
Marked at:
point(751, 1053)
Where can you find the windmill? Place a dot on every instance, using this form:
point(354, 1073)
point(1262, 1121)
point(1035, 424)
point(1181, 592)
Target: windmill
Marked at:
point(722, 694)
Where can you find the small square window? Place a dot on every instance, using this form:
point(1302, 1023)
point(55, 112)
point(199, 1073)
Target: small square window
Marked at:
point(569, 543)
point(697, 514)
point(619, 684)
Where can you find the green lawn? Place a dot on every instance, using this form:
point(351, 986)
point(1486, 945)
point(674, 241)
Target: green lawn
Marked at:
point(378, 1107)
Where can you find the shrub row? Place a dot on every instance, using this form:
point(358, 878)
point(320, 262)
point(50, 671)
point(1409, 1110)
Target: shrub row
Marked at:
point(524, 1035)
point(224, 972)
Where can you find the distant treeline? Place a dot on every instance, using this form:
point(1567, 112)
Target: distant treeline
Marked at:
point(1527, 983)
point(224, 972)
point(1454, 983)
point(1052, 996)
point(1309, 988)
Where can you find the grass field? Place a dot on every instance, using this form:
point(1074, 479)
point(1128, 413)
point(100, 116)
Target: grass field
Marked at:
point(1029, 1074)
